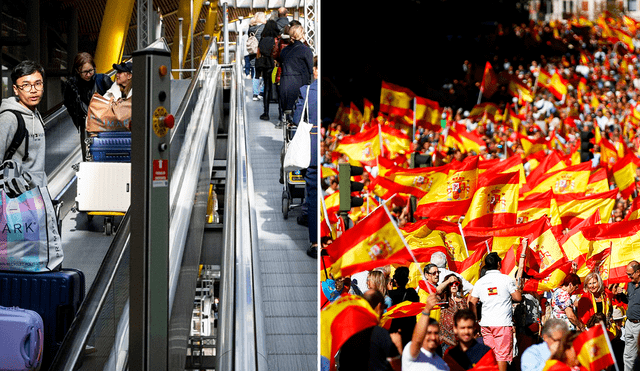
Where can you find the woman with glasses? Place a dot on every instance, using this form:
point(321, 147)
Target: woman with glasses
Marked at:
point(595, 299)
point(454, 299)
point(78, 90)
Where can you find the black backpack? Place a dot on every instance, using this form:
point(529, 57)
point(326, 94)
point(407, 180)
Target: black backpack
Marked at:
point(21, 134)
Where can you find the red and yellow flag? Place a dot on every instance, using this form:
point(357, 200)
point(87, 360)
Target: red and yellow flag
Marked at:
point(544, 78)
point(572, 179)
point(520, 90)
point(418, 181)
point(573, 209)
point(624, 174)
point(401, 310)
point(576, 247)
point(598, 182)
point(489, 83)
point(340, 320)
point(394, 141)
point(452, 197)
point(355, 118)
point(369, 244)
point(480, 110)
point(550, 279)
point(428, 113)
point(466, 141)
point(623, 240)
point(532, 145)
point(495, 202)
point(593, 349)
point(367, 114)
point(550, 163)
point(362, 148)
point(470, 267)
point(558, 86)
point(634, 210)
point(395, 100)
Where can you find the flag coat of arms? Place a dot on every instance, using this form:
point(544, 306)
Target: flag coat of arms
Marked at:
point(369, 244)
point(362, 148)
point(495, 202)
point(593, 349)
point(395, 100)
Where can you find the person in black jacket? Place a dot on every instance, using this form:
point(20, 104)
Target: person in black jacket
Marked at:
point(78, 90)
point(264, 63)
point(297, 68)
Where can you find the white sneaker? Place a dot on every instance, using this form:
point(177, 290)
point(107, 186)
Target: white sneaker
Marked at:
point(255, 97)
point(260, 97)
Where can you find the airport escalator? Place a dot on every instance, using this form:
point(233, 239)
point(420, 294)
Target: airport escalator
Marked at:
point(209, 192)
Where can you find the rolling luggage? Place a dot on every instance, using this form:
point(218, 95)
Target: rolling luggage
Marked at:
point(103, 186)
point(55, 296)
point(111, 146)
point(22, 339)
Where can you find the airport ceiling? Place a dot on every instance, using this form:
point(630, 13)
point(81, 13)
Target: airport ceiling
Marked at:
point(90, 15)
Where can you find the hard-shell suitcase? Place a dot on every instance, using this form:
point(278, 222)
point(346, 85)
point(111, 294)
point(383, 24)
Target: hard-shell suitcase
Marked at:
point(21, 339)
point(111, 146)
point(55, 296)
point(103, 186)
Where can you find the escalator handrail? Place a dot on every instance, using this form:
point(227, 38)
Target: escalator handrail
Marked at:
point(70, 351)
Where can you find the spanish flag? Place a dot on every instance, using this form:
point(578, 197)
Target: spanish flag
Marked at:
point(534, 206)
point(452, 197)
point(624, 174)
point(593, 349)
point(428, 113)
point(467, 141)
point(395, 100)
point(355, 118)
point(572, 179)
point(340, 320)
point(419, 180)
point(369, 244)
point(576, 247)
point(495, 202)
point(573, 209)
point(480, 110)
point(520, 90)
point(401, 310)
point(552, 162)
point(394, 140)
point(362, 148)
point(624, 240)
point(552, 278)
point(598, 182)
point(558, 86)
point(515, 118)
point(489, 83)
point(634, 210)
point(544, 78)
point(625, 39)
point(367, 115)
point(532, 145)
point(470, 267)
point(631, 23)
point(332, 202)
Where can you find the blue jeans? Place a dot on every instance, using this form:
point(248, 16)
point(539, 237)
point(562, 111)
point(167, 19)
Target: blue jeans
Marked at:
point(247, 65)
point(256, 82)
point(311, 184)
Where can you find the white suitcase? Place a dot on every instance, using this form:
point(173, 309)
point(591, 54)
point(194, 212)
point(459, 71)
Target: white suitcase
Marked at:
point(104, 186)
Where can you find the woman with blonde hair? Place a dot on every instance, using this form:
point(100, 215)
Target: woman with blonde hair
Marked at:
point(296, 61)
point(377, 280)
point(595, 299)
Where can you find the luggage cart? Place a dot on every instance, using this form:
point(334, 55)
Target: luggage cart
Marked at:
point(104, 180)
point(294, 184)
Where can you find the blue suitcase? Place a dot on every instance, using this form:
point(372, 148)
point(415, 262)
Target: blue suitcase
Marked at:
point(21, 339)
point(55, 296)
point(111, 146)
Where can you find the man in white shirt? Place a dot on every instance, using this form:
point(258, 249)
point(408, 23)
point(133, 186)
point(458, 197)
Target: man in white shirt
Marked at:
point(420, 353)
point(496, 291)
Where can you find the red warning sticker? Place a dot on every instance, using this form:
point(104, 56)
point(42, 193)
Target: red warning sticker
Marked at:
point(160, 173)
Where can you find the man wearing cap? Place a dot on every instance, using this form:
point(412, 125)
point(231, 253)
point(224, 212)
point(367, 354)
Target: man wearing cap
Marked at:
point(122, 87)
point(632, 325)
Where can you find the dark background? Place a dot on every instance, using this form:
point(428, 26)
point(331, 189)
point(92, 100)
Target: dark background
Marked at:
point(420, 45)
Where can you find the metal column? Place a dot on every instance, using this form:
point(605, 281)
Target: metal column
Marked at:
point(149, 267)
point(146, 26)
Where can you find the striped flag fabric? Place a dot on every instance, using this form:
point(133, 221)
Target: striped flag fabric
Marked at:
point(367, 114)
point(495, 202)
point(369, 244)
point(489, 84)
point(401, 310)
point(519, 89)
point(634, 210)
point(550, 279)
point(573, 209)
point(361, 148)
point(598, 182)
point(470, 267)
point(395, 100)
point(532, 145)
point(428, 113)
point(572, 179)
point(623, 240)
point(576, 246)
point(593, 349)
point(452, 197)
point(558, 86)
point(340, 320)
point(544, 78)
point(624, 174)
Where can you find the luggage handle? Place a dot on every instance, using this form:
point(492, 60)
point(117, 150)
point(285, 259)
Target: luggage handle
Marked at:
point(25, 349)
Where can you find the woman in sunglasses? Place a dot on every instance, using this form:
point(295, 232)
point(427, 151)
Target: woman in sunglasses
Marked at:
point(453, 301)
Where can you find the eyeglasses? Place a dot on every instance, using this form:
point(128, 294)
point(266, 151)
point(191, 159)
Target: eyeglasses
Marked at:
point(88, 72)
point(39, 85)
point(434, 272)
point(631, 274)
point(456, 284)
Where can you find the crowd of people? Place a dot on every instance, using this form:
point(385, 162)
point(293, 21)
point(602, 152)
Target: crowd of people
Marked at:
point(494, 323)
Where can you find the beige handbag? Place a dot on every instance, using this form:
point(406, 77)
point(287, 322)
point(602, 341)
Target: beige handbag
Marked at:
point(108, 114)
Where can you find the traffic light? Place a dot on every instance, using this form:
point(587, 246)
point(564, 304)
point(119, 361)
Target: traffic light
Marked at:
point(347, 186)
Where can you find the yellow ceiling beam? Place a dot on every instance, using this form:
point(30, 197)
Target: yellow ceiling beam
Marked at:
point(188, 22)
point(211, 27)
point(113, 33)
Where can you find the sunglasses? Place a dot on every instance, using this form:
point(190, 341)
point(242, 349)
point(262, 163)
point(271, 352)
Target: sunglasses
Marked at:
point(455, 284)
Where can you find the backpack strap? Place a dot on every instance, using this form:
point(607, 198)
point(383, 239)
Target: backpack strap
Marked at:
point(21, 134)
